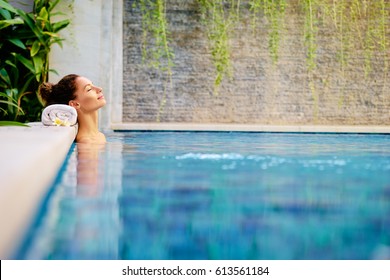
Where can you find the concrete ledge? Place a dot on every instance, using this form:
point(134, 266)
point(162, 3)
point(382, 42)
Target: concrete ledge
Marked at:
point(30, 160)
point(248, 128)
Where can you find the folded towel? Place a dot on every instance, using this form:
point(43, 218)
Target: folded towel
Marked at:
point(59, 115)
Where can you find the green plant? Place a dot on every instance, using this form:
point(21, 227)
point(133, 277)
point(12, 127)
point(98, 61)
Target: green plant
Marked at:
point(335, 14)
point(311, 12)
point(360, 28)
point(12, 103)
point(219, 17)
point(274, 11)
point(156, 50)
point(25, 43)
point(12, 123)
point(383, 42)
point(375, 38)
point(310, 8)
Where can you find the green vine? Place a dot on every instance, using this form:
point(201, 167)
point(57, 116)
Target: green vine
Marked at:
point(156, 50)
point(336, 13)
point(311, 10)
point(343, 32)
point(360, 26)
point(377, 18)
point(219, 17)
point(384, 44)
point(274, 11)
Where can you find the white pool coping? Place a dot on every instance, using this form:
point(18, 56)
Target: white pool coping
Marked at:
point(29, 163)
point(249, 128)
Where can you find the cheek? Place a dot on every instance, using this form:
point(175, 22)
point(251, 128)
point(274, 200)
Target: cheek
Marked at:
point(85, 98)
point(79, 96)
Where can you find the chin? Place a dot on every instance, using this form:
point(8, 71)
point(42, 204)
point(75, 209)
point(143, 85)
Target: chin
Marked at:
point(103, 102)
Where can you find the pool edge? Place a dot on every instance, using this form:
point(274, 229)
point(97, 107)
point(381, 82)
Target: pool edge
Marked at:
point(249, 128)
point(33, 156)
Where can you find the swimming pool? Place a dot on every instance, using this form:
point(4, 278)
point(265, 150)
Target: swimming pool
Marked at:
point(204, 195)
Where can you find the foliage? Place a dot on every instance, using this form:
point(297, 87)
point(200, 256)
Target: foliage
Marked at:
point(155, 46)
point(274, 11)
point(377, 16)
point(310, 8)
point(361, 29)
point(359, 25)
point(25, 42)
point(219, 17)
point(12, 123)
point(156, 51)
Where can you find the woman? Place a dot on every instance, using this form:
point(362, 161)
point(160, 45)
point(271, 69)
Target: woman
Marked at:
point(86, 98)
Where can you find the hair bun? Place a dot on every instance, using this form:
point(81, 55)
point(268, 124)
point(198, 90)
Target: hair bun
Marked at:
point(45, 90)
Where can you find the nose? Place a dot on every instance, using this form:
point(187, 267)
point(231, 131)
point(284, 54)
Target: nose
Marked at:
point(98, 89)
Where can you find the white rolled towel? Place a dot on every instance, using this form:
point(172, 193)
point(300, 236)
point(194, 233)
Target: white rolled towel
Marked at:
point(59, 115)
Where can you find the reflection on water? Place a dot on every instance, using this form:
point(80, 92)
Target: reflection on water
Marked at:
point(220, 196)
point(90, 170)
point(81, 219)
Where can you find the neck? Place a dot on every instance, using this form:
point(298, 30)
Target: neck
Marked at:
point(88, 123)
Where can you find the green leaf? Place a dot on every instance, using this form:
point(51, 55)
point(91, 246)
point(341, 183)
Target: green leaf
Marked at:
point(3, 85)
point(4, 76)
point(51, 34)
point(4, 95)
point(6, 14)
point(53, 71)
point(7, 6)
point(12, 93)
point(59, 42)
point(38, 65)
point(9, 103)
point(35, 48)
point(7, 22)
point(12, 123)
point(10, 63)
point(30, 22)
point(57, 26)
point(43, 14)
point(52, 4)
point(26, 62)
point(27, 84)
point(17, 42)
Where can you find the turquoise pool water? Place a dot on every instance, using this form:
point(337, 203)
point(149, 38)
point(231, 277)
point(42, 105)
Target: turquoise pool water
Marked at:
point(195, 195)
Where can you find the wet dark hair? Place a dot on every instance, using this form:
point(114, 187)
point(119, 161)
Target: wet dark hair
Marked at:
point(60, 93)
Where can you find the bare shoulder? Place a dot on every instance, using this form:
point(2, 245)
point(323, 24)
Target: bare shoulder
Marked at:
point(99, 138)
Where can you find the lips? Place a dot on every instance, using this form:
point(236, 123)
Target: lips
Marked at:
point(101, 97)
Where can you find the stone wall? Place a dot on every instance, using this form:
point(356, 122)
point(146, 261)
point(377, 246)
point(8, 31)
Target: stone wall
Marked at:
point(259, 91)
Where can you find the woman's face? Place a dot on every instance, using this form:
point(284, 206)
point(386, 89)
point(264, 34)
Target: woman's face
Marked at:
point(89, 96)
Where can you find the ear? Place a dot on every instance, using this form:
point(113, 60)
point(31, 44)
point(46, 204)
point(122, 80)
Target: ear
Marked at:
point(74, 104)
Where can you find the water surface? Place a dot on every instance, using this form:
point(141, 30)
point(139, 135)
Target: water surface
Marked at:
point(187, 195)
